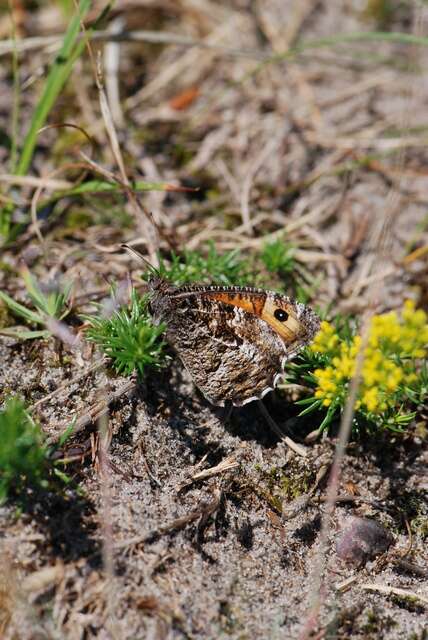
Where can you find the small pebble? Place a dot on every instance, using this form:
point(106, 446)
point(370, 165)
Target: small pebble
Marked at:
point(362, 540)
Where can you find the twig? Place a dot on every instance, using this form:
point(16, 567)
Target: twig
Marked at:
point(68, 383)
point(157, 37)
point(34, 181)
point(393, 591)
point(203, 511)
point(411, 567)
point(225, 465)
point(93, 413)
point(345, 584)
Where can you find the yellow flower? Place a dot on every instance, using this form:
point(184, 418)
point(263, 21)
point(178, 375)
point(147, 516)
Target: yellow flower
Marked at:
point(395, 340)
point(370, 398)
point(355, 347)
point(326, 339)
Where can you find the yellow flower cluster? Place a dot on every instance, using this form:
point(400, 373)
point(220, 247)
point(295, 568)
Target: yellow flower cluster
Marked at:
point(394, 342)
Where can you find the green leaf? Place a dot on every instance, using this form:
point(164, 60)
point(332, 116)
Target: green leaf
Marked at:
point(20, 310)
point(67, 433)
point(22, 453)
point(101, 186)
point(22, 334)
point(312, 407)
point(58, 74)
point(328, 418)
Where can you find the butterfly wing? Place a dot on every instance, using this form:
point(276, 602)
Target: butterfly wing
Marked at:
point(231, 352)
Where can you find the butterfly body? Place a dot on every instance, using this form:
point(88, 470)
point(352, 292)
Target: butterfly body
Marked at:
point(234, 341)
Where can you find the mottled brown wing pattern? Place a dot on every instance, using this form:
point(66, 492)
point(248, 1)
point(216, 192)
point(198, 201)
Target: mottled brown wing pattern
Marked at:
point(231, 339)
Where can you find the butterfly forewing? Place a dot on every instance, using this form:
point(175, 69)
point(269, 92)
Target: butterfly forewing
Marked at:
point(234, 341)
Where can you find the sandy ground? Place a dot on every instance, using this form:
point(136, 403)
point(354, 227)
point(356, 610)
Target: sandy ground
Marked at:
point(331, 148)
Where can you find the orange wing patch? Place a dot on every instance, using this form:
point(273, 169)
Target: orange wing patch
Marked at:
point(264, 306)
point(252, 304)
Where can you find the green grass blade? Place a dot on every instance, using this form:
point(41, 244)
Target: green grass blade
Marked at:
point(312, 407)
point(24, 334)
point(39, 299)
point(58, 74)
point(100, 186)
point(20, 310)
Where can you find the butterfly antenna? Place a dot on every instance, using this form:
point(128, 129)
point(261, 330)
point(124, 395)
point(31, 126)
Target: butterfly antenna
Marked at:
point(136, 254)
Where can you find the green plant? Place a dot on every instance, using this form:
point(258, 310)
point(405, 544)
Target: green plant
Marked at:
point(229, 268)
point(290, 276)
point(128, 337)
point(278, 257)
point(49, 302)
point(394, 378)
point(61, 68)
point(25, 460)
point(219, 268)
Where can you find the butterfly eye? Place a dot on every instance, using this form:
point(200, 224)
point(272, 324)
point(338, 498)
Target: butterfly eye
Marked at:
point(280, 315)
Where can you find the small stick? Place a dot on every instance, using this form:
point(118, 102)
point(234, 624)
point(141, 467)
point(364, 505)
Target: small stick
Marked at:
point(68, 383)
point(411, 567)
point(225, 465)
point(94, 412)
point(393, 591)
point(203, 511)
point(345, 584)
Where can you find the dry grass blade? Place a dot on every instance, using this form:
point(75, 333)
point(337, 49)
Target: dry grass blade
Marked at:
point(34, 181)
point(93, 413)
point(155, 37)
point(387, 590)
point(225, 465)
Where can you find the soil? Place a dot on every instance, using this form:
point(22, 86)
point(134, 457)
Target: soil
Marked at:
point(328, 148)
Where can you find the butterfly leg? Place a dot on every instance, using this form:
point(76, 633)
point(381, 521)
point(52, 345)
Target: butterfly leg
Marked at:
point(297, 448)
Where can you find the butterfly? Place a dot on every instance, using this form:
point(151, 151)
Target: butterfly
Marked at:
point(234, 341)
